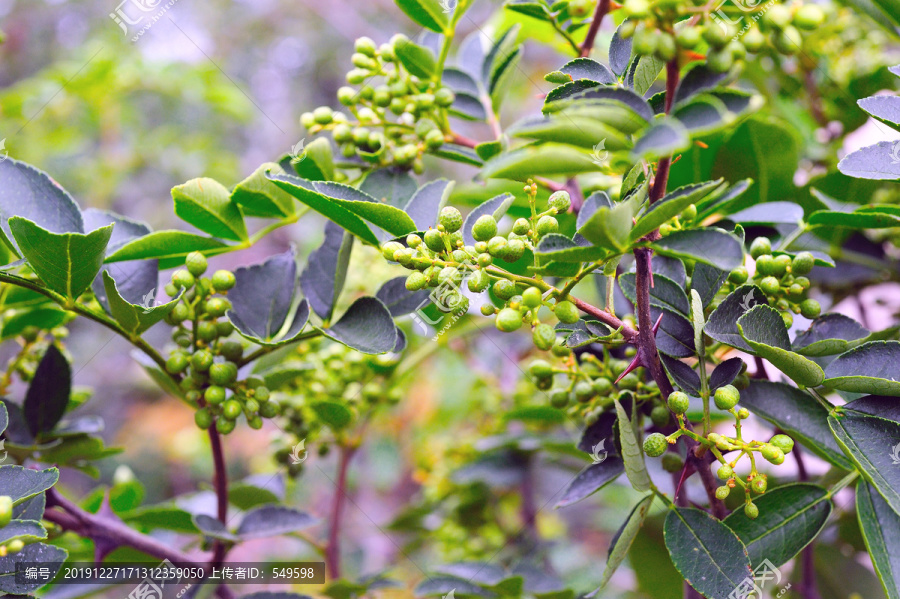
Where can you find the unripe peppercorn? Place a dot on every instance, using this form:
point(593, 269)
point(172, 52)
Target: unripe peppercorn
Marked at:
point(176, 363)
point(727, 397)
point(434, 241)
point(782, 442)
point(504, 289)
point(602, 385)
point(778, 16)
point(560, 200)
point(559, 398)
point(497, 246)
point(584, 391)
point(214, 395)
point(540, 369)
point(182, 278)
point(759, 484)
point(655, 445)
point(223, 374)
point(546, 225)
point(772, 454)
point(770, 285)
point(738, 276)
point(716, 34)
point(261, 393)
point(566, 312)
point(809, 17)
point(207, 331)
point(802, 263)
point(201, 360)
point(760, 246)
point(196, 263)
point(416, 281)
point(217, 306)
point(444, 97)
point(688, 37)
point(810, 308)
point(224, 328)
point(508, 320)
point(203, 418)
point(725, 472)
point(723, 492)
point(782, 262)
point(224, 426)
point(543, 336)
point(231, 350)
point(521, 226)
point(514, 250)
point(15, 546)
point(478, 281)
point(532, 297)
point(484, 228)
point(660, 416)
point(672, 462)
point(450, 219)
point(223, 280)
point(679, 402)
point(231, 409)
point(389, 249)
point(638, 9)
point(269, 410)
point(788, 319)
point(751, 511)
point(6, 509)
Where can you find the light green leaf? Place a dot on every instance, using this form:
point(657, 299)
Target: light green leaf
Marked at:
point(880, 527)
point(632, 454)
point(430, 15)
point(672, 205)
point(661, 139)
point(544, 160)
point(334, 414)
point(134, 318)
point(24, 483)
point(698, 321)
point(763, 329)
point(624, 538)
point(418, 60)
point(258, 196)
point(207, 204)
point(66, 262)
point(170, 246)
point(609, 228)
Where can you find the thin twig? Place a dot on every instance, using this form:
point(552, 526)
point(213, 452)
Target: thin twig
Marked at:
point(333, 548)
point(602, 9)
point(221, 485)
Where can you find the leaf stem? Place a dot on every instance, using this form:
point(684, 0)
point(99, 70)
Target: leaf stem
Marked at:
point(221, 486)
point(333, 548)
point(842, 484)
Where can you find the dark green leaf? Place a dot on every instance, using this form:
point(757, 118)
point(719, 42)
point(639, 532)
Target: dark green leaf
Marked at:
point(586, 68)
point(213, 529)
point(574, 129)
point(619, 52)
point(623, 95)
point(591, 479)
point(30, 509)
point(207, 204)
point(442, 585)
point(609, 228)
point(632, 453)
point(48, 556)
point(884, 108)
point(858, 219)
point(706, 281)
point(697, 79)
point(24, 483)
point(712, 246)
point(722, 323)
point(880, 526)
point(398, 299)
point(642, 72)
point(790, 517)
point(326, 270)
point(671, 206)
point(763, 329)
point(458, 153)
point(703, 115)
point(425, 205)
point(708, 554)
point(66, 262)
point(547, 159)
point(418, 60)
point(392, 186)
point(26, 530)
point(567, 90)
point(165, 517)
point(661, 139)
point(366, 326)
point(318, 164)
point(665, 293)
point(683, 375)
point(830, 334)
point(624, 538)
point(48, 395)
point(725, 373)
point(869, 368)
point(562, 249)
point(273, 521)
point(482, 573)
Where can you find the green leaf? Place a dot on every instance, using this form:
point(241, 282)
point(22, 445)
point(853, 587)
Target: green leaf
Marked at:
point(643, 72)
point(663, 138)
point(871, 443)
point(683, 375)
point(547, 159)
point(612, 95)
point(258, 196)
point(872, 162)
point(858, 219)
point(458, 153)
point(798, 414)
point(619, 52)
point(697, 79)
point(426, 203)
point(609, 228)
point(66, 262)
point(326, 270)
point(26, 530)
point(591, 479)
point(708, 554)
point(623, 540)
point(706, 281)
point(48, 394)
point(672, 205)
point(418, 60)
point(167, 245)
point(366, 326)
point(665, 293)
point(722, 323)
point(443, 585)
point(399, 300)
point(213, 529)
point(134, 318)
point(159, 376)
point(884, 108)
point(165, 517)
point(273, 521)
point(336, 415)
point(712, 246)
point(427, 14)
point(573, 129)
point(245, 495)
point(207, 204)
point(703, 115)
point(392, 186)
point(45, 555)
point(763, 329)
point(698, 321)
point(318, 164)
point(790, 517)
point(496, 207)
point(4, 417)
point(562, 249)
point(632, 453)
point(830, 334)
point(880, 527)
point(869, 368)
point(24, 483)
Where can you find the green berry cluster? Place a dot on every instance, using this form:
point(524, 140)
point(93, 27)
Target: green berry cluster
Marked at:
point(6, 512)
point(396, 116)
point(782, 278)
point(725, 41)
point(726, 398)
point(206, 359)
point(682, 221)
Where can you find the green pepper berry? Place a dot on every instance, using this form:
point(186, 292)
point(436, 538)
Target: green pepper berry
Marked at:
point(602, 385)
point(223, 280)
point(269, 409)
point(434, 241)
point(231, 409)
point(504, 289)
point(497, 246)
point(660, 416)
point(224, 328)
point(560, 350)
point(560, 200)
point(201, 360)
point(788, 319)
point(772, 454)
point(251, 406)
point(217, 306)
point(781, 264)
point(644, 42)
point(176, 363)
point(665, 47)
point(778, 16)
point(738, 276)
point(521, 226)
point(723, 492)
point(532, 297)
point(6, 509)
point(179, 313)
point(584, 391)
point(770, 285)
point(389, 249)
point(679, 402)
point(546, 225)
point(223, 374)
point(484, 228)
point(214, 395)
point(688, 37)
point(753, 40)
point(540, 369)
point(727, 397)
point(203, 418)
point(761, 246)
point(416, 281)
point(182, 278)
point(196, 263)
point(514, 250)
point(655, 445)
point(544, 336)
point(810, 308)
point(638, 9)
point(716, 34)
point(725, 472)
point(508, 320)
point(802, 263)
point(751, 511)
point(224, 426)
point(450, 218)
point(672, 462)
point(559, 398)
point(207, 331)
point(231, 350)
point(261, 393)
point(759, 484)
point(566, 312)
point(782, 442)
point(255, 422)
point(15, 546)
point(809, 17)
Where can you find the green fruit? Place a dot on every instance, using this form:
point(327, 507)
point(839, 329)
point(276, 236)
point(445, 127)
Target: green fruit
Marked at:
point(809, 17)
point(540, 369)
point(544, 336)
point(269, 410)
point(584, 391)
point(231, 409)
point(203, 418)
point(231, 350)
point(772, 454)
point(478, 282)
point(223, 280)
point(560, 200)
point(254, 422)
point(688, 37)
point(751, 511)
point(451, 219)
point(788, 319)
point(723, 492)
point(559, 398)
point(532, 297)
point(778, 16)
point(323, 115)
point(566, 312)
point(638, 9)
point(176, 363)
point(759, 484)
point(202, 360)
point(484, 228)
point(727, 397)
point(224, 426)
point(182, 278)
point(434, 241)
point(724, 472)
point(514, 251)
point(223, 374)
point(509, 320)
point(504, 289)
point(720, 61)
point(760, 246)
point(679, 402)
point(782, 442)
point(810, 308)
point(665, 46)
point(434, 139)
point(15, 546)
point(716, 34)
point(644, 42)
point(655, 445)
point(521, 226)
point(389, 249)
point(444, 97)
point(787, 41)
point(781, 264)
point(738, 276)
point(802, 263)
point(660, 416)
point(753, 40)
point(214, 395)
point(217, 306)
point(560, 350)
point(416, 281)
point(602, 385)
point(196, 263)
point(672, 462)
point(6, 508)
point(207, 331)
point(261, 393)
point(546, 225)
point(770, 285)
point(224, 328)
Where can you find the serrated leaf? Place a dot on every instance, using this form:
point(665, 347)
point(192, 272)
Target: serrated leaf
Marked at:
point(707, 280)
point(642, 72)
point(366, 326)
point(830, 334)
point(610, 228)
point(399, 300)
point(671, 206)
point(571, 128)
point(258, 196)
point(560, 248)
point(66, 262)
point(880, 527)
point(273, 521)
point(623, 540)
point(683, 375)
point(869, 368)
point(763, 329)
point(426, 203)
point(725, 373)
point(24, 483)
point(27, 531)
point(207, 204)
point(632, 453)
point(326, 270)
point(711, 246)
point(619, 94)
point(708, 554)
point(134, 318)
point(392, 186)
point(722, 323)
point(591, 479)
point(665, 293)
point(213, 529)
point(881, 161)
point(48, 556)
point(884, 108)
point(619, 52)
point(790, 517)
point(48, 394)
